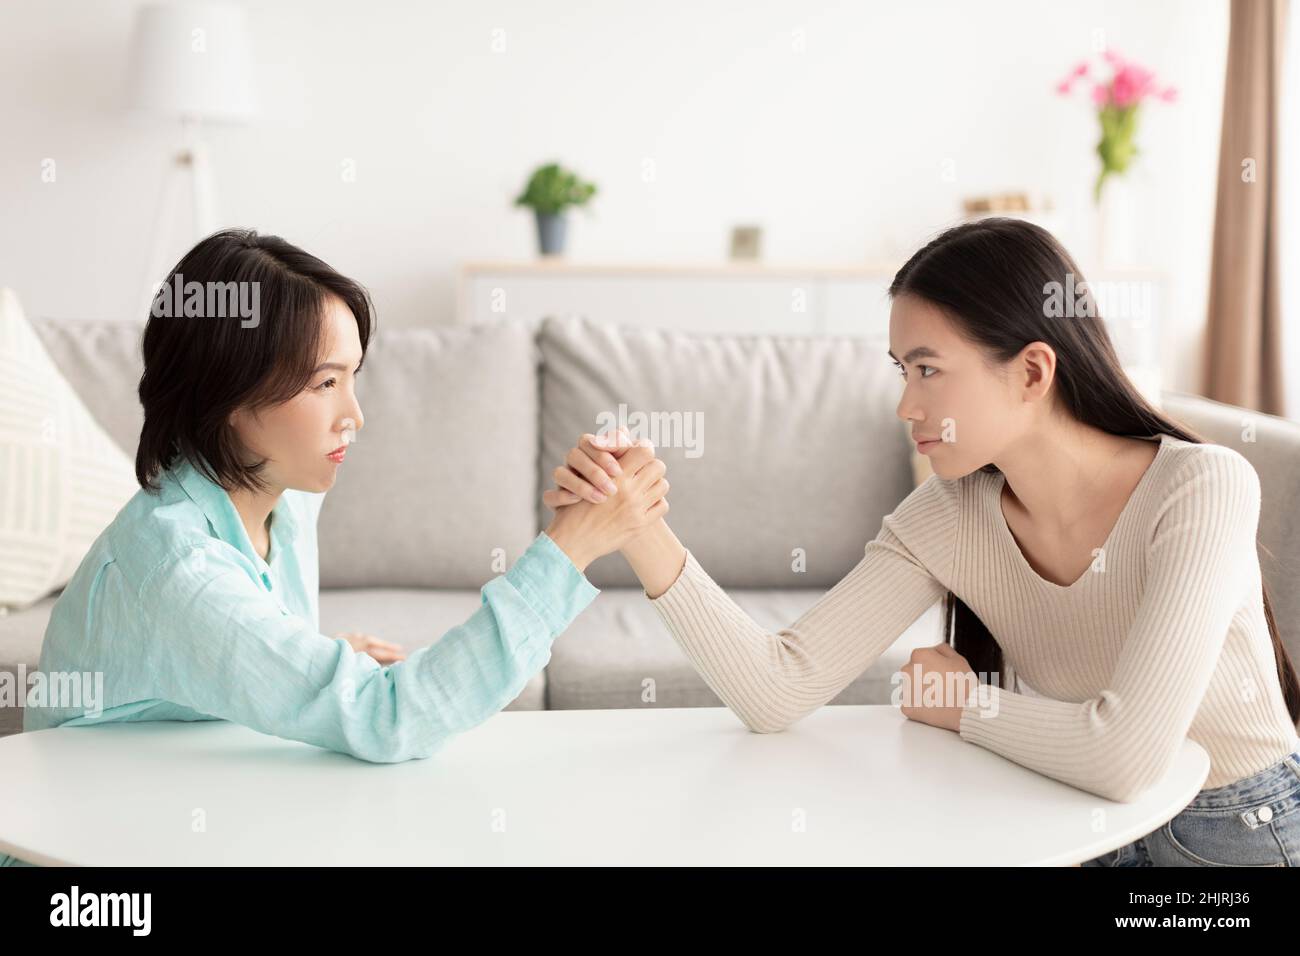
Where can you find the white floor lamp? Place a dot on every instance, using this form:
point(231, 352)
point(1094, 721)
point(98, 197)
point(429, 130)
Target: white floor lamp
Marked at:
point(191, 64)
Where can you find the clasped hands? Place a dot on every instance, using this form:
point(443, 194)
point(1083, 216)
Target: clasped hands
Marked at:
point(609, 490)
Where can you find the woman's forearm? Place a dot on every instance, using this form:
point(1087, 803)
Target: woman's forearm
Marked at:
point(657, 557)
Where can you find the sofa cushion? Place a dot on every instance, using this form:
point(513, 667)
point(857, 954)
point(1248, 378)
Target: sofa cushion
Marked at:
point(102, 361)
point(796, 453)
point(619, 647)
point(440, 489)
point(451, 421)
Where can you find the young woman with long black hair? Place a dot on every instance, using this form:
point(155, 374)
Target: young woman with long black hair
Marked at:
point(1080, 540)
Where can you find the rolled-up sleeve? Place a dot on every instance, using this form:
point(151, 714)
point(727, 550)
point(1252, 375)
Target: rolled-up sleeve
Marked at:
point(218, 643)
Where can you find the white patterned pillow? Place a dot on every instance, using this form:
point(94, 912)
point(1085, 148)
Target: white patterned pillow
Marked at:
point(62, 479)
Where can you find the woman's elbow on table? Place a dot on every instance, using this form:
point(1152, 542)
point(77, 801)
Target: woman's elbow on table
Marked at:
point(763, 721)
point(398, 749)
point(1125, 781)
point(396, 741)
point(764, 726)
point(1129, 782)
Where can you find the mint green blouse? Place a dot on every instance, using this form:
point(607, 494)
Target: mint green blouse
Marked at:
point(187, 622)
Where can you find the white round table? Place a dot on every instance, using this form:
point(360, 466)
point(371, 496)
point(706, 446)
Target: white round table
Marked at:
point(690, 786)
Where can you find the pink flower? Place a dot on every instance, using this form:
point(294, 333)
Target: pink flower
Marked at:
point(1145, 80)
point(1131, 85)
point(1122, 90)
point(1127, 85)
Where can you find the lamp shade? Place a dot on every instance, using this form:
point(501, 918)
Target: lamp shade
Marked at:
point(192, 61)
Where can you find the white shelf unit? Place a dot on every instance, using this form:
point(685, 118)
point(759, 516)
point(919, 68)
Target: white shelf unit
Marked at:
point(761, 298)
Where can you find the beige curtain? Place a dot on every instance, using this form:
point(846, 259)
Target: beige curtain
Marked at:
point(1243, 339)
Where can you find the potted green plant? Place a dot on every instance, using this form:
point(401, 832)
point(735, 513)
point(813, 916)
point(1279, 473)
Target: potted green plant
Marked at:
point(551, 190)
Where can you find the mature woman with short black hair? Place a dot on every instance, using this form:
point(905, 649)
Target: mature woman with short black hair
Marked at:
point(199, 601)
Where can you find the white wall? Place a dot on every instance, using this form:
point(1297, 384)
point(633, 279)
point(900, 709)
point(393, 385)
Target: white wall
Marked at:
point(838, 150)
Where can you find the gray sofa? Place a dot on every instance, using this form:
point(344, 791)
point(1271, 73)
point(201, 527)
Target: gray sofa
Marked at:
point(796, 453)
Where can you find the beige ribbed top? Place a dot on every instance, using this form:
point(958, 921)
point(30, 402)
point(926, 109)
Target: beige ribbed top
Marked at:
point(1164, 637)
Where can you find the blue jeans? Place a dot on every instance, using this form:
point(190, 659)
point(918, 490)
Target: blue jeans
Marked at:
point(1253, 822)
